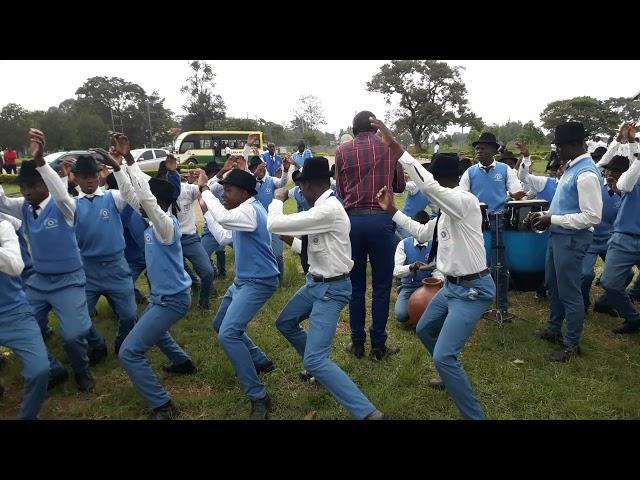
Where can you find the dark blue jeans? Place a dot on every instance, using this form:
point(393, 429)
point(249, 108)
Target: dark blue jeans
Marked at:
point(372, 236)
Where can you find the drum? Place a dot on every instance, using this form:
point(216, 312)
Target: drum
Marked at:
point(486, 231)
point(525, 248)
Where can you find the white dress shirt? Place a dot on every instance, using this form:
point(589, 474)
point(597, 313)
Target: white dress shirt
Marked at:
point(243, 218)
point(460, 242)
point(537, 183)
point(327, 226)
point(117, 197)
point(615, 148)
point(222, 236)
point(629, 179)
point(137, 182)
point(10, 257)
point(400, 269)
point(16, 222)
point(187, 216)
point(589, 199)
point(513, 184)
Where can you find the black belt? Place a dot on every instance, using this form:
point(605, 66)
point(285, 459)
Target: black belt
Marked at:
point(332, 279)
point(466, 278)
point(365, 211)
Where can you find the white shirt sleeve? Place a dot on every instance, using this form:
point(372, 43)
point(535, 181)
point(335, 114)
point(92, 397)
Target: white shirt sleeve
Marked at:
point(513, 184)
point(242, 218)
point(533, 182)
point(612, 151)
point(125, 189)
point(629, 179)
point(11, 206)
point(10, 258)
point(465, 183)
point(421, 232)
point(296, 245)
point(411, 187)
point(319, 219)
point(282, 181)
point(400, 269)
point(161, 221)
point(16, 222)
point(58, 191)
point(438, 274)
point(222, 236)
point(590, 201)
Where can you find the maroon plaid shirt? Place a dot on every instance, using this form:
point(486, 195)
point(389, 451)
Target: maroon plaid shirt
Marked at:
point(363, 166)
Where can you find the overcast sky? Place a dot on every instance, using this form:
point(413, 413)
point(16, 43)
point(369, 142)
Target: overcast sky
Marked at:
point(498, 90)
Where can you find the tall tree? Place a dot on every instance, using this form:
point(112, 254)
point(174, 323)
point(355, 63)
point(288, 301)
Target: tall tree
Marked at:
point(14, 125)
point(625, 108)
point(307, 114)
point(203, 105)
point(430, 94)
point(596, 115)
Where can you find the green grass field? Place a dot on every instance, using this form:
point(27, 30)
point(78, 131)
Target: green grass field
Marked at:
point(601, 384)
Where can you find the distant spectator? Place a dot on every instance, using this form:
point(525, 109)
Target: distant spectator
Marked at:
point(272, 159)
point(10, 156)
point(300, 156)
point(436, 147)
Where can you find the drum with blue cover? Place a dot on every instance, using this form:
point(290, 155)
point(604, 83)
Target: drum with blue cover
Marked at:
point(525, 247)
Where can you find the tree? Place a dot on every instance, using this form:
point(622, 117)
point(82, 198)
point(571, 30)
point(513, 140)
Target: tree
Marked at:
point(431, 96)
point(203, 105)
point(625, 108)
point(14, 125)
point(531, 135)
point(307, 114)
point(594, 114)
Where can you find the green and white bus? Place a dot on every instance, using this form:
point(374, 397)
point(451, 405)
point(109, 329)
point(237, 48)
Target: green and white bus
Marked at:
point(195, 147)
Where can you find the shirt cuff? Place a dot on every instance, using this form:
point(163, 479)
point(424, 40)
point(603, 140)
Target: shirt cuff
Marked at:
point(556, 219)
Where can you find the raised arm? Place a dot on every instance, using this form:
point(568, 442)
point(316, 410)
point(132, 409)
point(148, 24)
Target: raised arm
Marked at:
point(628, 180)
point(10, 257)
point(316, 220)
point(11, 206)
point(222, 236)
point(242, 218)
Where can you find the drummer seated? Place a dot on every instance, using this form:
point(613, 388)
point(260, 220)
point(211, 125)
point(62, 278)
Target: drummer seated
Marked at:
point(410, 256)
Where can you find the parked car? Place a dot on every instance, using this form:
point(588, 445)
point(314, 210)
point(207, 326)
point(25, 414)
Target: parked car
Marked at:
point(148, 159)
point(55, 159)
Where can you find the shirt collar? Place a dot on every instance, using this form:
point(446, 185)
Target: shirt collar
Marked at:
point(42, 204)
point(99, 192)
point(323, 197)
point(578, 159)
point(493, 164)
point(416, 243)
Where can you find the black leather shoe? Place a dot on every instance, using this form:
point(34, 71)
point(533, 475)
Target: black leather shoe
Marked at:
point(85, 381)
point(96, 355)
point(266, 368)
point(599, 308)
point(58, 380)
point(378, 353)
point(184, 368)
point(306, 376)
point(626, 327)
point(437, 383)
point(377, 415)
point(548, 336)
point(260, 409)
point(168, 411)
point(565, 354)
point(356, 349)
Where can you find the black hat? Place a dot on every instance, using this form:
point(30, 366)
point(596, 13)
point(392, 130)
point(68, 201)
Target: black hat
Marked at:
point(254, 161)
point(444, 165)
point(295, 175)
point(28, 173)
point(570, 132)
point(86, 164)
point(507, 155)
point(315, 168)
point(619, 163)
point(463, 165)
point(211, 167)
point(598, 153)
point(241, 179)
point(487, 137)
point(421, 217)
point(162, 189)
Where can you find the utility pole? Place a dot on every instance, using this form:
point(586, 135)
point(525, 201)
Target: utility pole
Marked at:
point(149, 118)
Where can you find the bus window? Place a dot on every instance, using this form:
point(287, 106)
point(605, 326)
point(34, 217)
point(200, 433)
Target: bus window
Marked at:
point(190, 142)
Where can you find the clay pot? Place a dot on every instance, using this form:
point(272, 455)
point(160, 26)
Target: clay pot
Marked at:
point(420, 299)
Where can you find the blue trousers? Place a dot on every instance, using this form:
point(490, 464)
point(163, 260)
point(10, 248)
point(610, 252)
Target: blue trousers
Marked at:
point(240, 303)
point(589, 274)
point(322, 303)
point(372, 237)
point(153, 329)
point(210, 245)
point(445, 327)
point(278, 250)
point(113, 280)
point(19, 331)
point(192, 250)
point(402, 302)
point(137, 266)
point(497, 242)
point(70, 305)
point(563, 275)
point(623, 254)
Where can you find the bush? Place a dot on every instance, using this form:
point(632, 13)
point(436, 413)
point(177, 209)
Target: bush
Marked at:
point(8, 179)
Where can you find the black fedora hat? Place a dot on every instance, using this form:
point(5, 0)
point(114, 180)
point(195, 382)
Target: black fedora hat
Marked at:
point(163, 190)
point(598, 153)
point(254, 161)
point(241, 179)
point(28, 173)
point(507, 155)
point(315, 168)
point(570, 132)
point(619, 163)
point(487, 137)
point(86, 164)
point(444, 165)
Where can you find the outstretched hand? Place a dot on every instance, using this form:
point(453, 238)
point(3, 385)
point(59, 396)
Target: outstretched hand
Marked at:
point(106, 158)
point(281, 194)
point(37, 143)
point(120, 143)
point(386, 201)
point(203, 180)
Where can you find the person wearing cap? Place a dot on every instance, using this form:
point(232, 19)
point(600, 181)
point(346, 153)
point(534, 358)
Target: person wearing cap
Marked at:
point(48, 217)
point(458, 249)
point(611, 200)
point(575, 210)
point(363, 166)
point(170, 297)
point(624, 246)
point(18, 327)
point(243, 220)
point(266, 187)
point(410, 260)
point(493, 183)
point(415, 202)
point(272, 160)
point(327, 289)
point(209, 243)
